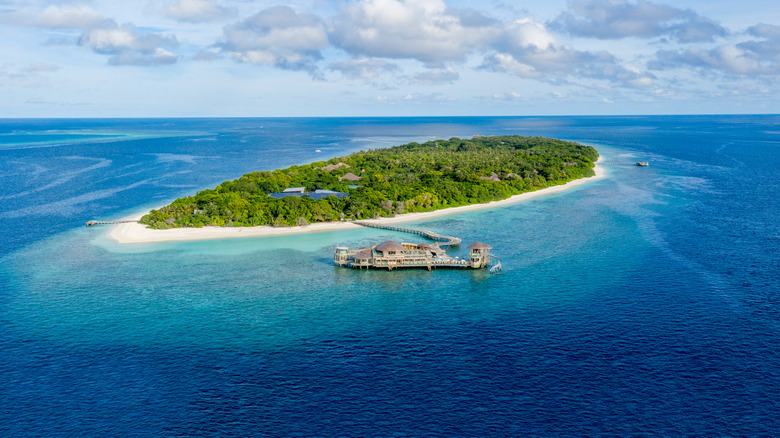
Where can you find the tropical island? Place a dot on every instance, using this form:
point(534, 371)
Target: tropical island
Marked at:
point(379, 183)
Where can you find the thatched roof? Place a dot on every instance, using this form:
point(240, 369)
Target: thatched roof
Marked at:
point(335, 166)
point(364, 254)
point(390, 245)
point(493, 177)
point(479, 245)
point(351, 177)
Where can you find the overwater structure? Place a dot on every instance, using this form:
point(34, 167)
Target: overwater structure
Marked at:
point(395, 255)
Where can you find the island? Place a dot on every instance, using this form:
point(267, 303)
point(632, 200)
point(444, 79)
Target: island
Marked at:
point(383, 183)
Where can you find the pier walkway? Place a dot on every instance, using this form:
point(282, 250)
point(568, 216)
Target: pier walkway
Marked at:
point(446, 241)
point(638, 163)
point(91, 223)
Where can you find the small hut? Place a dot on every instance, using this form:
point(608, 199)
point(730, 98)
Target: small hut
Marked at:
point(480, 254)
point(350, 177)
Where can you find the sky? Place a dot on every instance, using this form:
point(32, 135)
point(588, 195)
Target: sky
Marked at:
point(244, 58)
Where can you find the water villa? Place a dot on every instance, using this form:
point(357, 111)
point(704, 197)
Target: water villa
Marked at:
point(394, 255)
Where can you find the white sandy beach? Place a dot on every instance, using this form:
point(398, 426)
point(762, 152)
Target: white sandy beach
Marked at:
point(139, 233)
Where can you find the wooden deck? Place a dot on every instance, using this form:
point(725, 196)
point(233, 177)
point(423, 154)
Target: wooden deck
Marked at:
point(492, 263)
point(636, 164)
point(446, 241)
point(91, 223)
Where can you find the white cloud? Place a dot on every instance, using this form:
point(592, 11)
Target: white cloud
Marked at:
point(198, 11)
point(435, 77)
point(730, 59)
point(746, 58)
point(39, 67)
point(278, 36)
point(205, 55)
point(126, 44)
point(425, 30)
point(70, 17)
point(529, 50)
point(614, 19)
point(763, 30)
point(129, 46)
point(364, 68)
point(31, 76)
point(511, 96)
point(109, 40)
point(527, 34)
point(416, 99)
point(160, 56)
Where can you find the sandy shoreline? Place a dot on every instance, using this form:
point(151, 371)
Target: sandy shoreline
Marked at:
point(138, 233)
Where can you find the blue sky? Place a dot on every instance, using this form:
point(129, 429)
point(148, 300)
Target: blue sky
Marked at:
point(186, 58)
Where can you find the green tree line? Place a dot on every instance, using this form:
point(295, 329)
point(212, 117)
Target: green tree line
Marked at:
point(408, 178)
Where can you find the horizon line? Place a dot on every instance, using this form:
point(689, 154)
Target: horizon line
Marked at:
point(384, 116)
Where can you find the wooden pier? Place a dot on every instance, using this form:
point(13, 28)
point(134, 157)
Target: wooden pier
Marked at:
point(638, 163)
point(91, 223)
point(446, 241)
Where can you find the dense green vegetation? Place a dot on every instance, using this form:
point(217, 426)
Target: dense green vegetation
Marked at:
point(408, 178)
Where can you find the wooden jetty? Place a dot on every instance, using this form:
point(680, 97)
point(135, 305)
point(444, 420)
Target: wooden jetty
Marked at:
point(638, 163)
point(446, 241)
point(394, 255)
point(91, 223)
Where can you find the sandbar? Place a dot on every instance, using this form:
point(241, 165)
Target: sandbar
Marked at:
point(128, 233)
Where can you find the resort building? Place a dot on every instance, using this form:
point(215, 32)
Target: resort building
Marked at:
point(350, 177)
point(332, 167)
point(393, 255)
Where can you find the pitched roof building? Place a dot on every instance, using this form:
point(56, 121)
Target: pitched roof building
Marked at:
point(332, 167)
point(350, 177)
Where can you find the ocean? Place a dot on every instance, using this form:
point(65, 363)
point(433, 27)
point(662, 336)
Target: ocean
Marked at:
point(642, 304)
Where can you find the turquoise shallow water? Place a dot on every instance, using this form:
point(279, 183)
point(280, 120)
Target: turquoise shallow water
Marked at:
point(640, 304)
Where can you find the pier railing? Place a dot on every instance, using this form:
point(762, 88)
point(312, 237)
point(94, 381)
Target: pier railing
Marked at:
point(91, 223)
point(446, 241)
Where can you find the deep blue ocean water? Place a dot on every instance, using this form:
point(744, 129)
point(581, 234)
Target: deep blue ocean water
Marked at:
point(643, 304)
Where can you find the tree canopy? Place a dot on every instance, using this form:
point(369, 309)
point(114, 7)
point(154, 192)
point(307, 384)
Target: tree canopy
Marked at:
point(408, 178)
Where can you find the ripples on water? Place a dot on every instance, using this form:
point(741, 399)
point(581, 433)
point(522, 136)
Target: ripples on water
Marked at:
point(642, 304)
